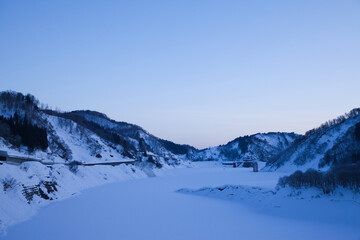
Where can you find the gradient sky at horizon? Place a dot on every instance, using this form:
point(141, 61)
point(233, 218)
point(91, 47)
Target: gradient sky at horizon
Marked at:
point(194, 72)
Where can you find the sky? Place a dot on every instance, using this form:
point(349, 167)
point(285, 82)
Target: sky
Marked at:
point(190, 71)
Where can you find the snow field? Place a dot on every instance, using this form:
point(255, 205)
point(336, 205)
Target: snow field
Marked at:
point(153, 208)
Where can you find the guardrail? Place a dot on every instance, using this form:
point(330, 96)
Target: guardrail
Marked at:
point(110, 163)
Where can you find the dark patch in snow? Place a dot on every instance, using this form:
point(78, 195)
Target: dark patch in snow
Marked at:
point(30, 191)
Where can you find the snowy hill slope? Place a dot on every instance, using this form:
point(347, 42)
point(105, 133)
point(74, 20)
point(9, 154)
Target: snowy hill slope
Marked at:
point(130, 140)
point(337, 143)
point(260, 147)
point(83, 136)
point(26, 188)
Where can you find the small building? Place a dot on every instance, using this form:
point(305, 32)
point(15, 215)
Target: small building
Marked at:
point(227, 163)
point(234, 164)
point(247, 162)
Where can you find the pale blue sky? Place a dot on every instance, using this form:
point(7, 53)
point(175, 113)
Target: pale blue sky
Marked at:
point(196, 72)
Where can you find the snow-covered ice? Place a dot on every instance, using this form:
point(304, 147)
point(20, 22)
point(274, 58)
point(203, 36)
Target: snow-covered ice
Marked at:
point(151, 208)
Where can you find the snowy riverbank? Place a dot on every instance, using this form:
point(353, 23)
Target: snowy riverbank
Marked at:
point(30, 186)
point(151, 208)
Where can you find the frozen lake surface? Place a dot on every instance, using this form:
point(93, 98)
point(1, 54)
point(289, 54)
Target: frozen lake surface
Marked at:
point(150, 208)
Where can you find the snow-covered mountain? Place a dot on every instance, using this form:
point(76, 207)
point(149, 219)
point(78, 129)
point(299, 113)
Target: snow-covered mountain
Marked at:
point(129, 140)
point(260, 147)
point(89, 136)
point(336, 142)
point(83, 136)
